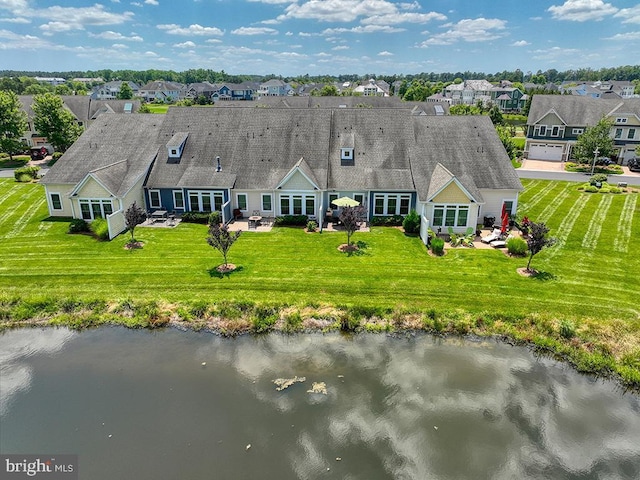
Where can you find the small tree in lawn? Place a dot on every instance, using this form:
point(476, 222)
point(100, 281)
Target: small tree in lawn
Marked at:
point(222, 239)
point(350, 218)
point(134, 216)
point(537, 240)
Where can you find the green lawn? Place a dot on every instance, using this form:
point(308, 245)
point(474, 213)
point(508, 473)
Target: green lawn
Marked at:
point(158, 108)
point(589, 277)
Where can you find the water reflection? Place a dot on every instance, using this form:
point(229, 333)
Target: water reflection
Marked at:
point(395, 408)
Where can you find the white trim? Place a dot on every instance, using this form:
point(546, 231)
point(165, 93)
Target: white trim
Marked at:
point(460, 186)
point(51, 207)
point(212, 198)
point(151, 204)
point(385, 203)
point(449, 206)
point(175, 206)
point(294, 169)
point(246, 200)
point(262, 195)
point(303, 199)
point(90, 201)
point(82, 183)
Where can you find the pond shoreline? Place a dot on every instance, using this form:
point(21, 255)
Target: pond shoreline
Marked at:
point(585, 344)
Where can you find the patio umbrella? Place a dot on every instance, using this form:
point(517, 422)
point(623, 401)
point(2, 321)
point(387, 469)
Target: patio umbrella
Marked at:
point(345, 202)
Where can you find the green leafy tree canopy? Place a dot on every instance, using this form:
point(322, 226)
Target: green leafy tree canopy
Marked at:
point(134, 216)
point(13, 122)
point(537, 240)
point(54, 121)
point(126, 92)
point(594, 138)
point(222, 239)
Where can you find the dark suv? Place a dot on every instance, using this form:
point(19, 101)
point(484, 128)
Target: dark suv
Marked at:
point(634, 164)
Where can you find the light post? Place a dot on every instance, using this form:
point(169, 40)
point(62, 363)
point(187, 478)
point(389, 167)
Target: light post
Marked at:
point(595, 157)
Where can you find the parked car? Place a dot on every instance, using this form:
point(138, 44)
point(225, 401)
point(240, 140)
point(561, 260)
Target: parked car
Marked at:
point(634, 164)
point(38, 153)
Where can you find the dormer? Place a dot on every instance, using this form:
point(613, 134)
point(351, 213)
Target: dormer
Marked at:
point(347, 149)
point(175, 146)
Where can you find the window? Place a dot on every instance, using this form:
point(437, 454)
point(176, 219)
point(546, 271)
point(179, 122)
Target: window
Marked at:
point(631, 134)
point(297, 204)
point(332, 197)
point(391, 204)
point(178, 200)
point(359, 197)
point(242, 201)
point(450, 215)
point(618, 133)
point(346, 153)
point(56, 201)
point(508, 206)
point(200, 201)
point(543, 130)
point(266, 202)
point(91, 209)
point(621, 120)
point(555, 130)
point(154, 199)
point(577, 131)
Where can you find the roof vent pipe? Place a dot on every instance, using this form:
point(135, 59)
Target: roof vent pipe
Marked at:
point(218, 166)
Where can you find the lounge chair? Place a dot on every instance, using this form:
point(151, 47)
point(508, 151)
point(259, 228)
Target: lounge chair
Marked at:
point(493, 236)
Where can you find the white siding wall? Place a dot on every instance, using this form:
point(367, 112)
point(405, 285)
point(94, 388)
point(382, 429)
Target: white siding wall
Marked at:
point(493, 202)
point(63, 190)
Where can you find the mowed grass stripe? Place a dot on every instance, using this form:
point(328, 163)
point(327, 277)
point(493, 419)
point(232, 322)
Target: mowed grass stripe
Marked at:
point(623, 237)
point(26, 218)
point(567, 224)
point(531, 203)
point(13, 212)
point(590, 240)
point(7, 193)
point(551, 208)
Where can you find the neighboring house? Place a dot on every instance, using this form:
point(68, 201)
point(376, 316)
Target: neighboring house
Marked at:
point(195, 90)
point(233, 91)
point(556, 121)
point(274, 88)
point(110, 90)
point(452, 170)
point(103, 172)
point(600, 89)
point(55, 81)
point(161, 91)
point(372, 88)
point(508, 98)
point(469, 92)
point(582, 90)
point(84, 109)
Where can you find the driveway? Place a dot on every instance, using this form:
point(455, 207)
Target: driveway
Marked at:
point(550, 170)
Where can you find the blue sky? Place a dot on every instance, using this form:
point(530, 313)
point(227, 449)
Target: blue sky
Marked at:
point(296, 37)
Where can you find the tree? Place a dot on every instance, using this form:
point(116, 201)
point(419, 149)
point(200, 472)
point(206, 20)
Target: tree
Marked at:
point(496, 115)
point(222, 239)
point(54, 121)
point(134, 216)
point(144, 108)
point(537, 240)
point(505, 136)
point(596, 137)
point(329, 91)
point(13, 123)
point(126, 92)
point(350, 218)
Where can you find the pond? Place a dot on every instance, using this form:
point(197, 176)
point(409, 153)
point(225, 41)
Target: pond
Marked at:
point(184, 405)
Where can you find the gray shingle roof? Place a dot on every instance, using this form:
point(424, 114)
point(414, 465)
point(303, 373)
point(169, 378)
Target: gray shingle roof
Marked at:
point(117, 149)
point(572, 109)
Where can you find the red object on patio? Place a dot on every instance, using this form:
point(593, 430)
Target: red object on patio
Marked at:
point(505, 218)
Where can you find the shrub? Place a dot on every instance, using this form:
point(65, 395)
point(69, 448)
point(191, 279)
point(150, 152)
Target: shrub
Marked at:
point(215, 218)
point(291, 220)
point(264, 318)
point(437, 246)
point(391, 221)
point(26, 174)
point(598, 178)
point(54, 158)
point(100, 228)
point(567, 329)
point(312, 226)
point(78, 225)
point(516, 246)
point(591, 189)
point(411, 223)
point(196, 217)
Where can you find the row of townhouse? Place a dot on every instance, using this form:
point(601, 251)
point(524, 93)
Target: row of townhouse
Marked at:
point(601, 89)
point(556, 121)
point(279, 161)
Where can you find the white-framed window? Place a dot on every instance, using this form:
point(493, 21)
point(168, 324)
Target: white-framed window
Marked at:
point(178, 200)
point(554, 130)
point(56, 201)
point(450, 215)
point(508, 205)
point(267, 202)
point(154, 199)
point(631, 134)
point(359, 197)
point(618, 133)
point(241, 200)
point(297, 204)
point(332, 197)
point(577, 131)
point(205, 201)
point(92, 208)
point(542, 130)
point(621, 120)
point(391, 203)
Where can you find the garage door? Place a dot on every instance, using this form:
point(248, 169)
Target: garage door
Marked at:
point(545, 151)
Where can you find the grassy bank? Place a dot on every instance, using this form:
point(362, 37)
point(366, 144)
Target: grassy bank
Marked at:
point(582, 305)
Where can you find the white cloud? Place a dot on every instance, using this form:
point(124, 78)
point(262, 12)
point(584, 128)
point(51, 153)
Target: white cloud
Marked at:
point(272, 2)
point(468, 30)
point(385, 54)
point(213, 40)
point(198, 30)
point(520, 43)
point(14, 5)
point(338, 10)
point(625, 36)
point(288, 34)
point(63, 19)
point(582, 10)
point(187, 44)
point(396, 18)
point(151, 2)
point(629, 15)
point(119, 46)
point(16, 20)
point(111, 35)
point(340, 47)
point(254, 31)
point(365, 29)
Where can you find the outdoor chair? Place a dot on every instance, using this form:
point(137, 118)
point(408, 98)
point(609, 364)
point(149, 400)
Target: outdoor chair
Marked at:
point(493, 236)
point(237, 214)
